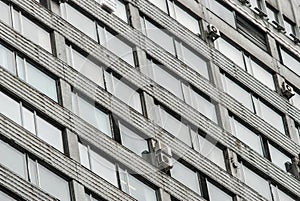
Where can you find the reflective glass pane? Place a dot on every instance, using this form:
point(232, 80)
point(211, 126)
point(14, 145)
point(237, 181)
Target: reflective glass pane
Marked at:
point(121, 10)
point(231, 52)
point(160, 36)
point(237, 92)
point(279, 195)
point(6, 57)
point(104, 168)
point(78, 20)
point(289, 27)
point(161, 4)
point(124, 92)
point(10, 108)
point(186, 176)
point(247, 136)
point(41, 81)
point(4, 13)
point(290, 61)
point(194, 61)
point(208, 149)
point(53, 184)
point(186, 19)
point(140, 191)
point(278, 158)
point(33, 171)
point(49, 133)
point(173, 125)
point(94, 116)
point(28, 120)
point(166, 80)
point(36, 34)
point(12, 159)
point(88, 68)
point(272, 14)
point(262, 75)
point(132, 140)
point(216, 194)
point(84, 156)
point(222, 12)
point(257, 182)
point(296, 100)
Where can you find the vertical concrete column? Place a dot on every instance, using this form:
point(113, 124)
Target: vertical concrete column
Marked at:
point(70, 138)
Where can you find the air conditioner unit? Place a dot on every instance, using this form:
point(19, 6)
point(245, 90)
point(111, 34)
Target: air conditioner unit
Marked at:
point(213, 32)
point(109, 5)
point(287, 90)
point(164, 161)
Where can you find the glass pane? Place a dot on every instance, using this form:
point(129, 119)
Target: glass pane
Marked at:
point(238, 93)
point(216, 194)
point(104, 168)
point(231, 52)
point(78, 20)
point(159, 36)
point(203, 105)
point(290, 61)
point(296, 100)
point(173, 125)
point(5, 197)
point(10, 108)
point(54, 184)
point(186, 176)
point(12, 159)
point(140, 191)
point(166, 80)
point(278, 158)
point(222, 12)
point(272, 117)
point(186, 19)
point(272, 14)
point(124, 92)
point(194, 61)
point(88, 68)
point(132, 140)
point(247, 136)
point(161, 4)
point(208, 149)
point(289, 27)
point(262, 75)
point(32, 168)
point(84, 156)
point(41, 81)
point(28, 120)
point(257, 183)
point(254, 3)
point(121, 10)
point(116, 44)
point(279, 195)
point(36, 34)
point(21, 68)
point(4, 13)
point(94, 116)
point(6, 57)
point(49, 133)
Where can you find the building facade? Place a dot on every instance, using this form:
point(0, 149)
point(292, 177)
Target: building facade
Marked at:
point(150, 100)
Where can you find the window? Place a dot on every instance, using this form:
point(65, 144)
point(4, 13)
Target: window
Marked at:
point(278, 157)
point(132, 140)
point(98, 164)
point(296, 99)
point(200, 103)
point(134, 187)
point(120, 11)
point(289, 28)
point(7, 58)
point(216, 194)
point(31, 121)
point(78, 20)
point(86, 65)
point(186, 176)
point(87, 110)
point(5, 197)
point(122, 90)
point(222, 11)
point(255, 181)
point(38, 174)
point(5, 15)
point(246, 135)
point(279, 195)
point(272, 14)
point(179, 13)
point(116, 44)
point(33, 76)
point(290, 61)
